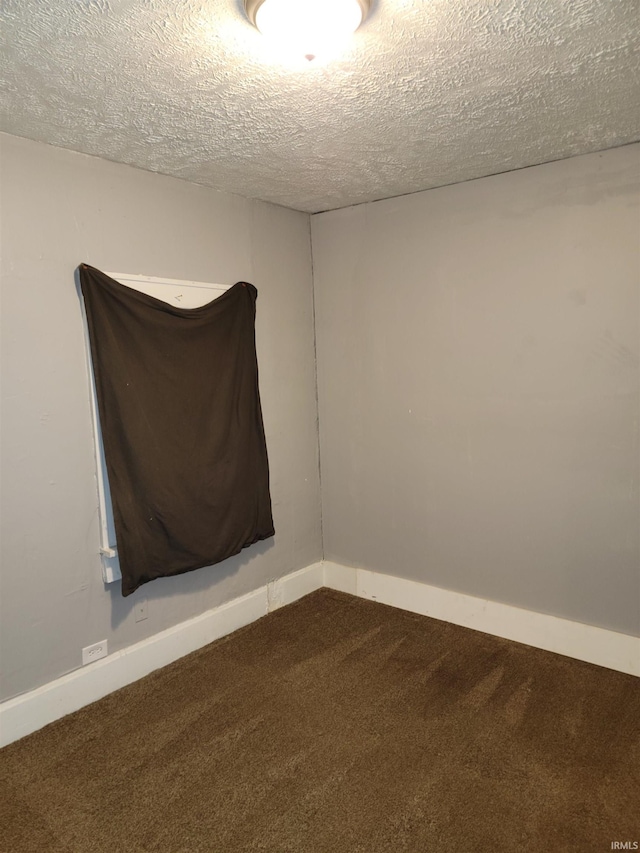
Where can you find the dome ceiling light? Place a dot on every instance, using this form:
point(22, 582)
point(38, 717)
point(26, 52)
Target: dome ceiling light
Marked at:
point(309, 28)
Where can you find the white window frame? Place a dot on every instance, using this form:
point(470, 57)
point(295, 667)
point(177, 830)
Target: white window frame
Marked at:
point(186, 294)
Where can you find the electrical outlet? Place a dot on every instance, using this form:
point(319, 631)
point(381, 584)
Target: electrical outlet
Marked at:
point(94, 652)
point(141, 610)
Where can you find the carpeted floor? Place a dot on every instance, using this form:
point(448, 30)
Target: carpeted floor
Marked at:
point(338, 725)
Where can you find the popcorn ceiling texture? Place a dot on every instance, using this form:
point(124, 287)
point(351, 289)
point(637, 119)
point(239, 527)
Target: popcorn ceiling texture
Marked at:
point(429, 92)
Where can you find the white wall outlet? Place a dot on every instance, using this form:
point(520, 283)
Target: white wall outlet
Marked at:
point(94, 652)
point(140, 610)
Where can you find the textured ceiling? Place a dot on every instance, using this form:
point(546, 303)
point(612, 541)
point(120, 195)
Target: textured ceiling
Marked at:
point(429, 92)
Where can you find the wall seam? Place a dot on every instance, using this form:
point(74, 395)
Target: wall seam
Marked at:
point(315, 367)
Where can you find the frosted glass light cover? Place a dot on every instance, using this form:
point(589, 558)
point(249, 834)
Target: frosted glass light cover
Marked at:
point(309, 27)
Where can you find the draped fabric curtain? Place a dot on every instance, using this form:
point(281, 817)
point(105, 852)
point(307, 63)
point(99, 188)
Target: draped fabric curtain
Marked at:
point(179, 407)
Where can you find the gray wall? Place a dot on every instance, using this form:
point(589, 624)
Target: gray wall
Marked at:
point(61, 208)
point(478, 387)
point(478, 381)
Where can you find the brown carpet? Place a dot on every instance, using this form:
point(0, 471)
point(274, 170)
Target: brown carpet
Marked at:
point(338, 725)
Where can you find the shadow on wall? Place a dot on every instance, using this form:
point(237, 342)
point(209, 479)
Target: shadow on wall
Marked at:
point(190, 583)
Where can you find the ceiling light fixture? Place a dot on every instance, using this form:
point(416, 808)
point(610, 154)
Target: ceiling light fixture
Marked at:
point(310, 28)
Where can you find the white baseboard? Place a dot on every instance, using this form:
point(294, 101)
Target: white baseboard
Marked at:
point(573, 639)
point(31, 711)
point(291, 587)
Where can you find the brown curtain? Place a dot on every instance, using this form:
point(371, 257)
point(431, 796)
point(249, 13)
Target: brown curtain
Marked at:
point(184, 444)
